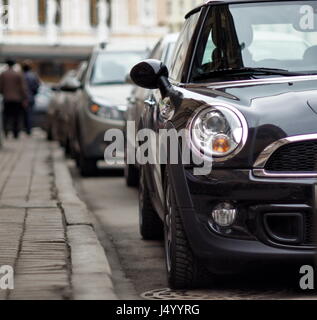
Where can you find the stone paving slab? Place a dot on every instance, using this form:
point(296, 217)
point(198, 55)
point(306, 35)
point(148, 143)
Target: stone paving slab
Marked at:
point(91, 272)
point(46, 233)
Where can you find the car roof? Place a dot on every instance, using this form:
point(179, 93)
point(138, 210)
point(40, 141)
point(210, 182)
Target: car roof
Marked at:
point(213, 2)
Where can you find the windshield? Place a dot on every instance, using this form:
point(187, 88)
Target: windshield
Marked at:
point(113, 67)
point(275, 35)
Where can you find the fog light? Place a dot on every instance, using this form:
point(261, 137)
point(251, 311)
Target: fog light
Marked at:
point(224, 214)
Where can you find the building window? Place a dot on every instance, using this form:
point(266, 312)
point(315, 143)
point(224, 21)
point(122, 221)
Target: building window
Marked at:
point(169, 8)
point(58, 13)
point(42, 11)
point(50, 71)
point(148, 12)
point(93, 13)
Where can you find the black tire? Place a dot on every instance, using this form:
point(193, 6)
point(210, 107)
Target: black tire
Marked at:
point(151, 226)
point(88, 167)
point(132, 175)
point(183, 268)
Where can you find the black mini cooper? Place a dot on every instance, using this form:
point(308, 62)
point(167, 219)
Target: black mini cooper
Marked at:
point(244, 83)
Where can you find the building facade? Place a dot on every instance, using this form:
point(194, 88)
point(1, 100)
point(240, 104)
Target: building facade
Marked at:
point(64, 31)
point(176, 11)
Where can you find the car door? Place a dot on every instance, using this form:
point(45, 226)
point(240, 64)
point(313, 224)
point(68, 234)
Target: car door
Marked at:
point(158, 105)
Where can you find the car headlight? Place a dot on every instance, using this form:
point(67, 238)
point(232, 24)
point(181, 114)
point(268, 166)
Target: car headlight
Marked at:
point(105, 111)
point(217, 132)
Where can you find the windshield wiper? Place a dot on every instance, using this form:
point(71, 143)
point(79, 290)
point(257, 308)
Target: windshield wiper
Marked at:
point(246, 70)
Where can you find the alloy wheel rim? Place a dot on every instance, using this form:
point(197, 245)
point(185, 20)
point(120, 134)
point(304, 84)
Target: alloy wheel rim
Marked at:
point(141, 190)
point(168, 230)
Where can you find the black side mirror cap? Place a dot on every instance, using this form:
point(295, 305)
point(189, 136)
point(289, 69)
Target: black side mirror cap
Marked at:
point(150, 74)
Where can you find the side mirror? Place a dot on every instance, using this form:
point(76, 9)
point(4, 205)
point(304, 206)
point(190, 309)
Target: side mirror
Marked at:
point(72, 85)
point(151, 74)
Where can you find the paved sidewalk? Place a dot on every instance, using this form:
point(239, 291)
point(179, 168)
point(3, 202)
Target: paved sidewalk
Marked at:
point(46, 233)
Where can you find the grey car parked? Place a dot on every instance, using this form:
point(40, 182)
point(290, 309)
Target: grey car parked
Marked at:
point(59, 101)
point(2, 68)
point(101, 103)
point(163, 51)
point(1, 122)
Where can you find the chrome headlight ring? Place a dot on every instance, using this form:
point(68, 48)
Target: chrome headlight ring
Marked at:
point(219, 124)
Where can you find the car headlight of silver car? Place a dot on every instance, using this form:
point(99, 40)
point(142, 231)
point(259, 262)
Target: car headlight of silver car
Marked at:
point(217, 132)
point(107, 111)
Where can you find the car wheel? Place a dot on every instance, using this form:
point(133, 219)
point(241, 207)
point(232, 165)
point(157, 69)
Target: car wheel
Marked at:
point(183, 268)
point(88, 167)
point(151, 226)
point(131, 174)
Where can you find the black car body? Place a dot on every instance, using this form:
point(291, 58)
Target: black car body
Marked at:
point(163, 51)
point(266, 176)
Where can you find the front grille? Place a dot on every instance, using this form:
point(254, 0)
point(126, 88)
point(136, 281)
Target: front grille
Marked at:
point(310, 230)
point(294, 157)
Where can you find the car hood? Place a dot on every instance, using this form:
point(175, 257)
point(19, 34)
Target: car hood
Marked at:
point(115, 95)
point(273, 109)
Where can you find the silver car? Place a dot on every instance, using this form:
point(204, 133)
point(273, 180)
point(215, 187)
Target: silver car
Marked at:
point(2, 68)
point(102, 103)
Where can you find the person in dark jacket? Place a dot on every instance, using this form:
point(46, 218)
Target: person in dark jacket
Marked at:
point(33, 85)
point(15, 98)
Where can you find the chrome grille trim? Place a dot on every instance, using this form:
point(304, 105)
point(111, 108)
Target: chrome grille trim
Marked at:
point(265, 155)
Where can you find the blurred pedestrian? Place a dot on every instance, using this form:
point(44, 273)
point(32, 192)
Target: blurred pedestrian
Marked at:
point(33, 85)
point(15, 98)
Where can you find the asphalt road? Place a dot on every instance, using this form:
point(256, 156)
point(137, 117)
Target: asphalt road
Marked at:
point(138, 266)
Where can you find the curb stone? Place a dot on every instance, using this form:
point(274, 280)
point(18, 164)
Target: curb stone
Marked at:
point(91, 275)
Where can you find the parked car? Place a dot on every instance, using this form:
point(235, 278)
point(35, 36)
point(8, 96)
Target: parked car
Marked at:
point(162, 51)
point(2, 68)
point(1, 121)
point(255, 121)
point(101, 103)
point(58, 104)
point(67, 118)
point(42, 101)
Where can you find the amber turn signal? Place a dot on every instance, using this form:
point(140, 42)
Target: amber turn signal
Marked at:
point(94, 108)
point(221, 144)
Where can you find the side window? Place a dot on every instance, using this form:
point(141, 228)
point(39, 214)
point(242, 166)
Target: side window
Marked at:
point(167, 55)
point(82, 72)
point(88, 66)
point(182, 46)
point(209, 49)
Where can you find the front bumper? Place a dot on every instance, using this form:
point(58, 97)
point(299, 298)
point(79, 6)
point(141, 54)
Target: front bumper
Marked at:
point(251, 240)
point(93, 129)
